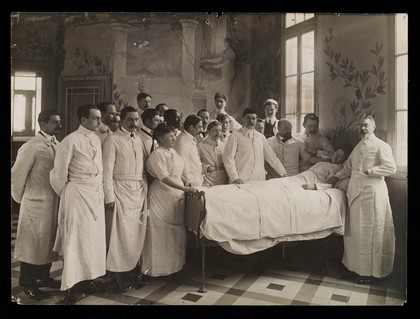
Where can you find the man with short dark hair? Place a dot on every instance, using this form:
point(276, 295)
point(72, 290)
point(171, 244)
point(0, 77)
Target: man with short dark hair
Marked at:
point(186, 146)
point(125, 194)
point(205, 118)
point(37, 223)
point(161, 108)
point(150, 119)
point(108, 120)
point(317, 145)
point(245, 153)
point(174, 118)
point(77, 179)
point(271, 107)
point(144, 101)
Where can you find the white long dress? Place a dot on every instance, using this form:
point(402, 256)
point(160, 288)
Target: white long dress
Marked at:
point(165, 245)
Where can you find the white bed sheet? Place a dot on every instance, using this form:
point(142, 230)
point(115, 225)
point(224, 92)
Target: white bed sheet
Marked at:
point(255, 216)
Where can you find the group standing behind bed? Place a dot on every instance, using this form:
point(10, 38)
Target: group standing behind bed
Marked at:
point(122, 184)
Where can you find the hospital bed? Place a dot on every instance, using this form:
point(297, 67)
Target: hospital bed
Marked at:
point(255, 216)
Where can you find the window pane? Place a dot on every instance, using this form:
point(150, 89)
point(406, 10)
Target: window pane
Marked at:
point(291, 95)
point(25, 83)
point(308, 52)
point(401, 33)
point(402, 146)
point(36, 107)
point(290, 19)
point(19, 113)
point(307, 93)
point(295, 18)
point(299, 17)
point(401, 83)
point(291, 56)
point(292, 118)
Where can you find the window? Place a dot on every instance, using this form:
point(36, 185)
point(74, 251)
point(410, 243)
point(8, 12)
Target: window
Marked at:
point(299, 68)
point(295, 18)
point(26, 103)
point(400, 144)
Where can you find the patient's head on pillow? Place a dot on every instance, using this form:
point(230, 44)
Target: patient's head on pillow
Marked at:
point(341, 154)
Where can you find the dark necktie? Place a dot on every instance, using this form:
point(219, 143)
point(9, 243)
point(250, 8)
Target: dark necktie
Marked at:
point(132, 134)
point(268, 130)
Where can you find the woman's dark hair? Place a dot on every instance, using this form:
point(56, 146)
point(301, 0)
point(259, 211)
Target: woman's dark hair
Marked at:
point(220, 95)
point(161, 130)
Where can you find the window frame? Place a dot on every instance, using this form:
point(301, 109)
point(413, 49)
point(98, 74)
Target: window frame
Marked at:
point(25, 136)
point(402, 170)
point(298, 30)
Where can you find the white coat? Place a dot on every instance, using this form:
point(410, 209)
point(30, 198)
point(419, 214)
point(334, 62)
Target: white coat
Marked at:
point(124, 185)
point(244, 155)
point(77, 179)
point(369, 238)
point(38, 202)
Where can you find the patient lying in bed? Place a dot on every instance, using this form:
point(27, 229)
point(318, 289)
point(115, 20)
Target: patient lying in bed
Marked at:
point(324, 170)
point(257, 215)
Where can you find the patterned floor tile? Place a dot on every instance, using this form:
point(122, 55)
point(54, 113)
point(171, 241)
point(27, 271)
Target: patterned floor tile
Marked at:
point(239, 281)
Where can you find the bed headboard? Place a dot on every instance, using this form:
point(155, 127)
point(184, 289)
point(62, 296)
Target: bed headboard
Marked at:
point(195, 211)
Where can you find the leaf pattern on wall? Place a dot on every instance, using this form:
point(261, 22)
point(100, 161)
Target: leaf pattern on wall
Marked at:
point(366, 84)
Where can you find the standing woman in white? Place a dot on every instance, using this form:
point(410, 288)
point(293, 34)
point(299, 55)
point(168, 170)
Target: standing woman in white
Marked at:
point(166, 237)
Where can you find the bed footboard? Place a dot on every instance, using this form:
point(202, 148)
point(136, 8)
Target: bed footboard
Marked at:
point(195, 211)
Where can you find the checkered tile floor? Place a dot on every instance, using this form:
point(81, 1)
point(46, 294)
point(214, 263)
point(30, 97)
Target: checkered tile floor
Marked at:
point(264, 278)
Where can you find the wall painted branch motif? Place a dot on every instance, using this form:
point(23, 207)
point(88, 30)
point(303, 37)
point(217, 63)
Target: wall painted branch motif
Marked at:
point(367, 84)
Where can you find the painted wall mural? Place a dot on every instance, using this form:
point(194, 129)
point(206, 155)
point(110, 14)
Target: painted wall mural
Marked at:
point(34, 39)
point(365, 83)
point(353, 75)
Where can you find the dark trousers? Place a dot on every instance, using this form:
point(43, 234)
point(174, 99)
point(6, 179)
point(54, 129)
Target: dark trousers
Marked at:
point(108, 227)
point(29, 273)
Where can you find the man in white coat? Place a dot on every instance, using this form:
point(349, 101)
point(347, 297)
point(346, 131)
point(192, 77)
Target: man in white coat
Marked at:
point(125, 194)
point(37, 223)
point(369, 239)
point(108, 120)
point(186, 147)
point(77, 179)
point(245, 153)
point(271, 108)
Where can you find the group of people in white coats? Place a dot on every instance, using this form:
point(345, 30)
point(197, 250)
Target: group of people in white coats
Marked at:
point(121, 196)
